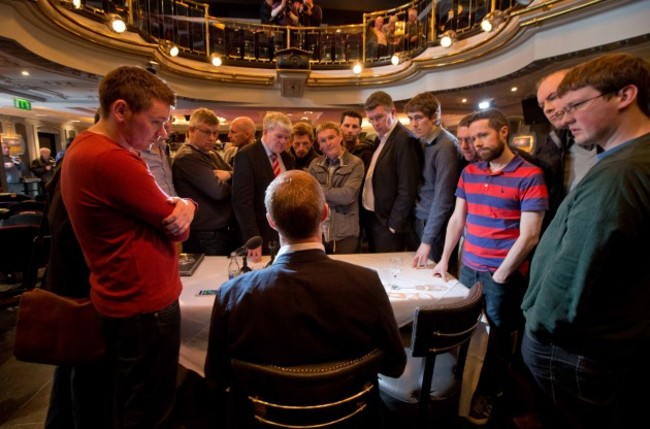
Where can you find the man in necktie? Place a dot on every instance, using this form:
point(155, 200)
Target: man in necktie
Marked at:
point(255, 166)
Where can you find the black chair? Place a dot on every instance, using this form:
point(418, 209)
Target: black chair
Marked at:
point(17, 258)
point(429, 388)
point(339, 394)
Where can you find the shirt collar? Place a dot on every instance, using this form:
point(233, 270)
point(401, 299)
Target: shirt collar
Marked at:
point(298, 247)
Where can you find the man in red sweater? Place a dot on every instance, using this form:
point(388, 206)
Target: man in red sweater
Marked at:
point(127, 228)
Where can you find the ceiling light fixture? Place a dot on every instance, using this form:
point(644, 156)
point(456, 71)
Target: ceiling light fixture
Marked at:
point(76, 4)
point(448, 39)
point(486, 104)
point(394, 60)
point(116, 23)
point(492, 20)
point(24, 73)
point(357, 68)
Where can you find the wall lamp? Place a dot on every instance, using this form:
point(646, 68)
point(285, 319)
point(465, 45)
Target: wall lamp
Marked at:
point(169, 48)
point(116, 23)
point(215, 60)
point(492, 20)
point(448, 38)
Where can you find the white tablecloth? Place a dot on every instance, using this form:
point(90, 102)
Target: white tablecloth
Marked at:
point(417, 288)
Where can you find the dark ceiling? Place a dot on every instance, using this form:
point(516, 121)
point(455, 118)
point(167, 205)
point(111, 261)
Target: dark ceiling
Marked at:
point(335, 12)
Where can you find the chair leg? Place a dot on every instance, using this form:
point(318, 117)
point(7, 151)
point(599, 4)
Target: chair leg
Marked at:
point(425, 391)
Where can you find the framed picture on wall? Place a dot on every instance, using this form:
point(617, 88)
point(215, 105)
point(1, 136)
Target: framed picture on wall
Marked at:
point(15, 143)
point(524, 142)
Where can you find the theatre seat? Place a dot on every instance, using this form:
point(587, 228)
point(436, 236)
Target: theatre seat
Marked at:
point(339, 394)
point(429, 388)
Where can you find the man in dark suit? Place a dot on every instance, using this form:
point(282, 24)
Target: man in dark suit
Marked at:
point(305, 308)
point(253, 171)
point(392, 179)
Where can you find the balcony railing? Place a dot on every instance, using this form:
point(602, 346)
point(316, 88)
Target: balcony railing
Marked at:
point(187, 25)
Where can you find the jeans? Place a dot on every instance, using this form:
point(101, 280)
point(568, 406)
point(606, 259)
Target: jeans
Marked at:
point(590, 392)
point(143, 358)
point(502, 309)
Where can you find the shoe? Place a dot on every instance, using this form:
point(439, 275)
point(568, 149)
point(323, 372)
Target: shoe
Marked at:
point(481, 409)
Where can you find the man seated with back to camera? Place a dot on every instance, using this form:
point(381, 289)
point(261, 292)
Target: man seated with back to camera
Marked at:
point(312, 309)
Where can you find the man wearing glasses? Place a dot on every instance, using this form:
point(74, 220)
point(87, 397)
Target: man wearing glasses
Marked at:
point(202, 175)
point(587, 336)
point(564, 163)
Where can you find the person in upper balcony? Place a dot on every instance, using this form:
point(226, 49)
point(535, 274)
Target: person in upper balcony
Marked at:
point(393, 39)
point(311, 15)
point(273, 12)
point(376, 41)
point(43, 166)
point(413, 31)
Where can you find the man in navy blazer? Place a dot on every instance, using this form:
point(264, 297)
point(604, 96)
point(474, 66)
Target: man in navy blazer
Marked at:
point(252, 173)
point(305, 308)
point(392, 180)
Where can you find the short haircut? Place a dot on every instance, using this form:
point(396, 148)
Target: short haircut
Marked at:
point(496, 119)
point(295, 202)
point(426, 103)
point(276, 119)
point(352, 114)
point(328, 125)
point(609, 74)
point(465, 120)
point(246, 123)
point(203, 115)
point(136, 86)
point(302, 129)
point(378, 98)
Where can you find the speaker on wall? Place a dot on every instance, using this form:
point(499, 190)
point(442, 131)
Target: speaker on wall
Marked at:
point(292, 59)
point(533, 114)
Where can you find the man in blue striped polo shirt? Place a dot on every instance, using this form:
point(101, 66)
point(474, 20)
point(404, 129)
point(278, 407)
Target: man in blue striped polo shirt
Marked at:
point(501, 200)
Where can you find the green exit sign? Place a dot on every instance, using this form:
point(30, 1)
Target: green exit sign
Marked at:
point(21, 103)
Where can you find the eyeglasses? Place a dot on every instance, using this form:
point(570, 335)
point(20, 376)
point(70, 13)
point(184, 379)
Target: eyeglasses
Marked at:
point(572, 108)
point(208, 132)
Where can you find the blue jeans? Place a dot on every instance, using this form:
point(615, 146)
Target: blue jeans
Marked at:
point(143, 358)
point(502, 309)
point(590, 392)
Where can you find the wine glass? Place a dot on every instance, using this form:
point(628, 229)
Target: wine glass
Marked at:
point(394, 267)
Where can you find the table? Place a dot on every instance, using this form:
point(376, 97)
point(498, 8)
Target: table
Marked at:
point(418, 287)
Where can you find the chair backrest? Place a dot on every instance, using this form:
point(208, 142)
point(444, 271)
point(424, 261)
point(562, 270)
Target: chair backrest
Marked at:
point(16, 249)
point(443, 327)
point(321, 395)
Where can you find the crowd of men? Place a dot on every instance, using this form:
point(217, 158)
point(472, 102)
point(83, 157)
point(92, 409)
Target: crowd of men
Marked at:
point(573, 286)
